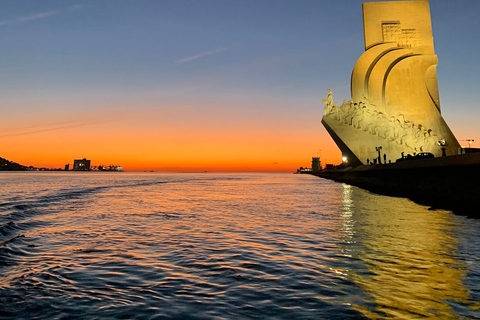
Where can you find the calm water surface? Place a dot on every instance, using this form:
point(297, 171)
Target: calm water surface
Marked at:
point(227, 246)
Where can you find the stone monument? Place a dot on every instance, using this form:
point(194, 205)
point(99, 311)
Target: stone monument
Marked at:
point(395, 102)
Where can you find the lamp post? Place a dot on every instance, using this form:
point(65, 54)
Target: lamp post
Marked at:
point(379, 156)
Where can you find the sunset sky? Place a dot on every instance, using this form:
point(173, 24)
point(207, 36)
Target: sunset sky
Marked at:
point(217, 85)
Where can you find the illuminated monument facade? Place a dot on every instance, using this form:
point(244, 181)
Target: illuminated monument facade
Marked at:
point(395, 102)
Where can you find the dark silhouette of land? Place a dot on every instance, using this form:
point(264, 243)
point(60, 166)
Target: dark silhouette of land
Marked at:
point(6, 165)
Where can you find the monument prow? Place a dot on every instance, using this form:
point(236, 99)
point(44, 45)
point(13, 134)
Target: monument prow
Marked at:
point(395, 102)
point(395, 109)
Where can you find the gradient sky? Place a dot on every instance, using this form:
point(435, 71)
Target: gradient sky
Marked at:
point(217, 85)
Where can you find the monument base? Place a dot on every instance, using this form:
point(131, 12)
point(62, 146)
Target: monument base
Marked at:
point(449, 183)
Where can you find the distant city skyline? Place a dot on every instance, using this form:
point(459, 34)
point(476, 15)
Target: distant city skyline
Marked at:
point(200, 85)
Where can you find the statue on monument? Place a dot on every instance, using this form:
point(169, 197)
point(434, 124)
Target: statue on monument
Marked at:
point(397, 130)
point(328, 101)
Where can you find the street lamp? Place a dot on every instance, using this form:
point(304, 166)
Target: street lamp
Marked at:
point(442, 142)
point(379, 157)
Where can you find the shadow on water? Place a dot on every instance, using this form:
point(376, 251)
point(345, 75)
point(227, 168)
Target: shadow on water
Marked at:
point(409, 256)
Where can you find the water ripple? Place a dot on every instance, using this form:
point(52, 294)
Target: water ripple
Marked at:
point(237, 246)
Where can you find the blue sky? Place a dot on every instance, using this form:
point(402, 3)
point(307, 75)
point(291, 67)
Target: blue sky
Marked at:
point(259, 62)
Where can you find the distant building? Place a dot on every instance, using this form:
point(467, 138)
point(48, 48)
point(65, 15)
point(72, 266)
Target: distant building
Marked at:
point(329, 166)
point(81, 165)
point(316, 165)
point(304, 170)
point(67, 167)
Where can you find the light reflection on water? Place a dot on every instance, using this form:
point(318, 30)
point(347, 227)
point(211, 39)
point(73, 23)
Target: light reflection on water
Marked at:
point(228, 246)
point(411, 257)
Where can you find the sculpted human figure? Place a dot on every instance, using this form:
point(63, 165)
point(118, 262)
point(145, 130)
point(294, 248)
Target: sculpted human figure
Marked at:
point(336, 112)
point(424, 139)
point(391, 129)
point(351, 114)
point(418, 138)
point(373, 122)
point(409, 136)
point(367, 119)
point(430, 141)
point(418, 130)
point(329, 97)
point(344, 109)
point(328, 101)
point(357, 118)
point(328, 109)
point(381, 125)
point(424, 145)
point(398, 131)
point(403, 131)
point(400, 117)
point(362, 112)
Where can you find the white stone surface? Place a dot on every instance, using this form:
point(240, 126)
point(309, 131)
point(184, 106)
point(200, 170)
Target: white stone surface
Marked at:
point(395, 100)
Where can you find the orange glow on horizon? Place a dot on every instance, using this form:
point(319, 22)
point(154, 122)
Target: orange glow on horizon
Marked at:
point(173, 141)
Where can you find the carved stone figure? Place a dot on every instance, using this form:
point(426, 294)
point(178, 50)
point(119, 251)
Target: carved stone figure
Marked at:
point(418, 138)
point(336, 112)
point(381, 125)
point(391, 129)
point(409, 135)
point(328, 109)
point(344, 110)
point(367, 119)
point(430, 142)
point(328, 101)
point(398, 131)
point(358, 115)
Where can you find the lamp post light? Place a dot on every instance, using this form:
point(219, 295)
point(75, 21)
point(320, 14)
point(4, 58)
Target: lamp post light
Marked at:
point(379, 156)
point(442, 142)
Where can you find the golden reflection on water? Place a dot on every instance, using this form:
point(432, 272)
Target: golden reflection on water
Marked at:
point(274, 242)
point(409, 253)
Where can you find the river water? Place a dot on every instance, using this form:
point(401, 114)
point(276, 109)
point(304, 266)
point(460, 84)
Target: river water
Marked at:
point(227, 246)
